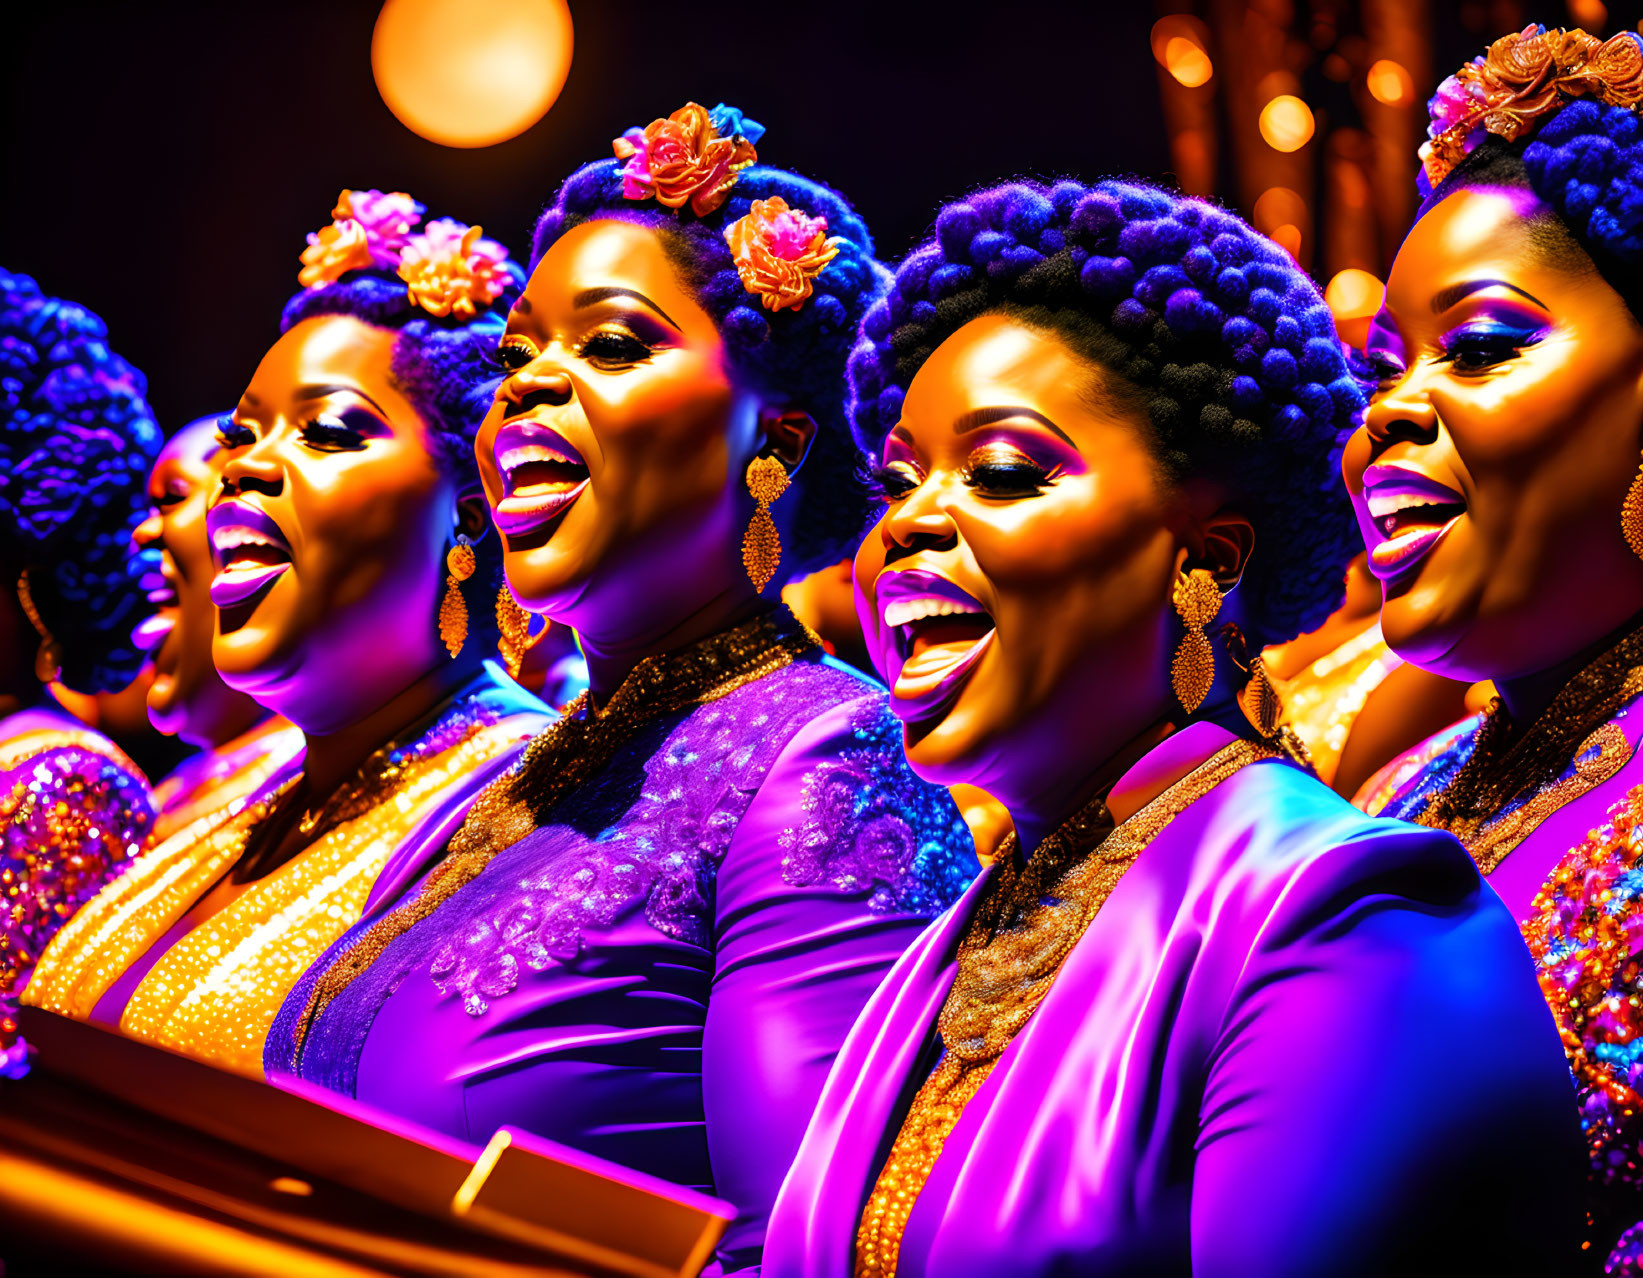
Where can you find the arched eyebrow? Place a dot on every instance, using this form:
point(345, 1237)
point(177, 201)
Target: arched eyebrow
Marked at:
point(1445, 298)
point(979, 417)
point(593, 296)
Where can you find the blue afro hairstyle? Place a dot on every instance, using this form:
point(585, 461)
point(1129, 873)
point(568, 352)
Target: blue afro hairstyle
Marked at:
point(75, 453)
point(447, 367)
point(1217, 339)
point(1585, 163)
point(793, 357)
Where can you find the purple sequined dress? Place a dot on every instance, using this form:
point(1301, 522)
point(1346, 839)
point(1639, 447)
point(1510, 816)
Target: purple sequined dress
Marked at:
point(73, 812)
point(662, 972)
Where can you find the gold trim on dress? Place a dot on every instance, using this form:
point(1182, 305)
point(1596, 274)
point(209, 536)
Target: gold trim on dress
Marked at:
point(1025, 926)
point(573, 749)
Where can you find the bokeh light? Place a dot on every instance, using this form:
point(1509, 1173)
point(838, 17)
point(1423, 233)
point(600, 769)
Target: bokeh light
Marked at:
point(1354, 297)
point(1180, 43)
point(1286, 123)
point(1279, 214)
point(1390, 83)
point(471, 72)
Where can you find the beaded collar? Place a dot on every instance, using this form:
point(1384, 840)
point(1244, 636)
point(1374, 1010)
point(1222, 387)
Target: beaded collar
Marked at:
point(1023, 929)
point(572, 751)
point(1505, 789)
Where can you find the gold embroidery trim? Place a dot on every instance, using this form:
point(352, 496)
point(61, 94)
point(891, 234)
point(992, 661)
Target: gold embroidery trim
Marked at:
point(572, 750)
point(1025, 926)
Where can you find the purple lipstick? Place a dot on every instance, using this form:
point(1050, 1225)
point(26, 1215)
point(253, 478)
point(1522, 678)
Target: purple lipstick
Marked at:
point(931, 635)
point(250, 550)
point(542, 475)
point(1410, 513)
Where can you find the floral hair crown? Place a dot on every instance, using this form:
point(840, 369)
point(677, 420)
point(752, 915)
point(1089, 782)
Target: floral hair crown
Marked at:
point(694, 157)
point(1522, 81)
point(448, 269)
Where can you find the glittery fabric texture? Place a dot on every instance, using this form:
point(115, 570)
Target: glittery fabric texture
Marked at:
point(73, 812)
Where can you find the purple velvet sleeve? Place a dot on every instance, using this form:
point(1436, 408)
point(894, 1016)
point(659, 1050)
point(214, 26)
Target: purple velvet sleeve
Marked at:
point(1384, 1059)
point(837, 866)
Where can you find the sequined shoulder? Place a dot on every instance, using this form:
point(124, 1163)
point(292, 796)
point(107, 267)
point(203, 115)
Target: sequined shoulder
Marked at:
point(72, 815)
point(869, 825)
point(1402, 787)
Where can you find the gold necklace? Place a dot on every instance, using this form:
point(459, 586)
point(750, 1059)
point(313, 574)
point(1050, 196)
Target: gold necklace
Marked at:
point(1527, 775)
point(570, 752)
point(1012, 951)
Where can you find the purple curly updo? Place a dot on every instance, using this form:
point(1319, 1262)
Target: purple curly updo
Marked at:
point(75, 452)
point(1213, 331)
point(795, 357)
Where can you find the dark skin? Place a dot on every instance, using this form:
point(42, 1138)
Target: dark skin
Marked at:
point(1014, 481)
point(187, 697)
point(621, 373)
point(342, 642)
point(1512, 378)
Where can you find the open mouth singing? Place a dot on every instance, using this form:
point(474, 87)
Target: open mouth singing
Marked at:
point(934, 634)
point(1411, 513)
point(542, 475)
point(250, 550)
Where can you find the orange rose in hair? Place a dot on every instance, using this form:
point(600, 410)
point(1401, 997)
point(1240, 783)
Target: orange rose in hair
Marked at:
point(779, 251)
point(682, 160)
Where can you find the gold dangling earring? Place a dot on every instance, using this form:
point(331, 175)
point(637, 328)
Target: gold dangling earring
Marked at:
point(1192, 673)
point(48, 657)
point(513, 624)
point(762, 546)
point(460, 563)
point(1631, 515)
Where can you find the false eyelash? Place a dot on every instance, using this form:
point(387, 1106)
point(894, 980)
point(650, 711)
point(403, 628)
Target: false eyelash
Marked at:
point(331, 433)
point(515, 351)
point(891, 483)
point(614, 348)
point(230, 434)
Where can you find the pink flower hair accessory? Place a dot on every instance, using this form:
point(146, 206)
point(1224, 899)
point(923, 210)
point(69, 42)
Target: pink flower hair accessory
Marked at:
point(779, 251)
point(450, 269)
point(368, 229)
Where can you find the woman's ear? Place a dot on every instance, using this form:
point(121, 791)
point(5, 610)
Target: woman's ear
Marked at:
point(1228, 541)
point(473, 516)
point(788, 434)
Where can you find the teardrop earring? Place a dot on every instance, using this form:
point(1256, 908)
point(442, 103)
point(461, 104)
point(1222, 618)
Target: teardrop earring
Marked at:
point(513, 624)
point(1631, 515)
point(1197, 599)
point(460, 563)
point(762, 545)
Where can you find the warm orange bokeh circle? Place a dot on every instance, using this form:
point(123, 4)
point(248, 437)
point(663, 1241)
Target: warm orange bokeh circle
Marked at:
point(471, 72)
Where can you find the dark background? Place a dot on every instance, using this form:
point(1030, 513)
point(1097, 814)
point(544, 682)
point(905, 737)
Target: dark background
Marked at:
point(164, 161)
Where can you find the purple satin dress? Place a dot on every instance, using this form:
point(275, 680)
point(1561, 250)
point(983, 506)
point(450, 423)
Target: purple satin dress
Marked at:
point(663, 975)
point(1294, 1041)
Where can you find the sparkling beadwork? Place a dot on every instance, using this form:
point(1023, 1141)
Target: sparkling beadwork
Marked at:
point(1022, 931)
point(215, 992)
point(73, 812)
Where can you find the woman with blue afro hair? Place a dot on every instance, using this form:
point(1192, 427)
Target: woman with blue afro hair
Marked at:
point(1497, 485)
point(75, 450)
point(1108, 421)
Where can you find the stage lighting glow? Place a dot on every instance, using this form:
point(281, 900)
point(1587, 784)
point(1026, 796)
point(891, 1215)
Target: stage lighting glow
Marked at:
point(1187, 62)
point(1286, 123)
point(1390, 83)
point(471, 72)
point(1180, 43)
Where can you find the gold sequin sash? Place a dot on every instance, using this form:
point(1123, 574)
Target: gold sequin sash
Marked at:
point(575, 748)
point(1022, 932)
point(214, 994)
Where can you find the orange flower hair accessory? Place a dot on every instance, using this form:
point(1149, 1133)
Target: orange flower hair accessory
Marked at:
point(451, 270)
point(1523, 79)
point(693, 157)
point(779, 250)
point(368, 229)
